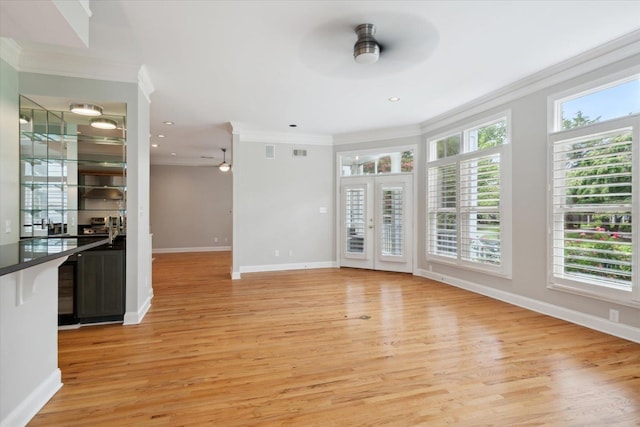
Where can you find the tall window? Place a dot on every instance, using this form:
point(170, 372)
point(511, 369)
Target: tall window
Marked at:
point(466, 197)
point(594, 187)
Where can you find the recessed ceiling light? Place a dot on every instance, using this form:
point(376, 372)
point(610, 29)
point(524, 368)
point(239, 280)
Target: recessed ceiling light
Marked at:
point(86, 109)
point(103, 123)
point(173, 154)
point(394, 99)
point(155, 145)
point(161, 136)
point(169, 122)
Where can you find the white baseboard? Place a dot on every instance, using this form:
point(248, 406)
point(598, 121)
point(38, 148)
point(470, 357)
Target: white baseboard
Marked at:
point(284, 267)
point(34, 402)
point(196, 249)
point(134, 318)
point(593, 322)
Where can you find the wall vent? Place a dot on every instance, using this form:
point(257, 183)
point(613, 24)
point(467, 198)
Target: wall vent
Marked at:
point(298, 152)
point(270, 151)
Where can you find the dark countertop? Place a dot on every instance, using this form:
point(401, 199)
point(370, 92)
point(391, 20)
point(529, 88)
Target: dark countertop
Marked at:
point(29, 252)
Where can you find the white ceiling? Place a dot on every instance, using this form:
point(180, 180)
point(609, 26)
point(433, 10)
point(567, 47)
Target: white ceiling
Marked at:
point(268, 64)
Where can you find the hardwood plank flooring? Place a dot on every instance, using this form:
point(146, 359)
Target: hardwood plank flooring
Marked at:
point(337, 347)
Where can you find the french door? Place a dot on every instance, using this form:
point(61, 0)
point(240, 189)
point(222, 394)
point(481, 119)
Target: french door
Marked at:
point(376, 226)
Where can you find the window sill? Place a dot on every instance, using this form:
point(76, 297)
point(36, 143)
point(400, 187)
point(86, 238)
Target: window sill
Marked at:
point(469, 266)
point(619, 297)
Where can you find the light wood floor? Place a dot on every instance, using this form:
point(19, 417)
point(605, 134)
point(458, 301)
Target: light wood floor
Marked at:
point(337, 347)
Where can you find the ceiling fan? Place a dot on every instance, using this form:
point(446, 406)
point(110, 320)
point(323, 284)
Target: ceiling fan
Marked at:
point(366, 50)
point(394, 42)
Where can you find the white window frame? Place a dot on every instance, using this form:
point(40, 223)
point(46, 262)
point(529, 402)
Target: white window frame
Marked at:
point(504, 150)
point(556, 135)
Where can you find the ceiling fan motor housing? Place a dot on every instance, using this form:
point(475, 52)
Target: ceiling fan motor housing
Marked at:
point(366, 50)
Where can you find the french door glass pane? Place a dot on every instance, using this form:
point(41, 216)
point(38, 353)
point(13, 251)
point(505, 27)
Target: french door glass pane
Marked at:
point(355, 220)
point(392, 232)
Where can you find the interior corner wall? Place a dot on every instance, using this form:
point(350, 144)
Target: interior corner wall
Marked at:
point(9, 155)
point(280, 223)
point(190, 208)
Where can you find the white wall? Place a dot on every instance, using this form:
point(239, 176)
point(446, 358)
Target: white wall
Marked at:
point(29, 373)
point(190, 208)
point(278, 203)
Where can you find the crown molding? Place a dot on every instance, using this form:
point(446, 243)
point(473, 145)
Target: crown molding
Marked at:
point(616, 50)
point(377, 134)
point(62, 64)
point(144, 83)
point(250, 135)
point(187, 162)
point(10, 52)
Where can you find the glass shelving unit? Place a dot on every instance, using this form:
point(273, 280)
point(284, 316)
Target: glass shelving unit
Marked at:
point(63, 161)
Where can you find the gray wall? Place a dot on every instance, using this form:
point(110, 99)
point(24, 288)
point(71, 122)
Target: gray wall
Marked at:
point(278, 205)
point(190, 208)
point(529, 202)
point(9, 154)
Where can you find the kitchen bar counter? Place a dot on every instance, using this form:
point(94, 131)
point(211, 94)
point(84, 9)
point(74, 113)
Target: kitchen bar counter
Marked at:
point(30, 252)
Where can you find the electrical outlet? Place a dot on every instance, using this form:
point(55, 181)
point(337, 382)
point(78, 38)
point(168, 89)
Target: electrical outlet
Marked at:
point(7, 226)
point(614, 315)
point(290, 252)
point(277, 253)
point(215, 239)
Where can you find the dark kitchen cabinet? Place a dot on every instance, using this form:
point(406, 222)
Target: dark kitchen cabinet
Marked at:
point(101, 290)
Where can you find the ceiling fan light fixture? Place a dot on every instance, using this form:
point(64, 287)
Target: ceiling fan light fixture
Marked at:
point(103, 124)
point(224, 166)
point(366, 50)
point(86, 109)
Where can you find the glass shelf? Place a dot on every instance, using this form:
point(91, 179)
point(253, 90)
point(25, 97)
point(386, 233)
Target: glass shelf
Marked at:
point(70, 172)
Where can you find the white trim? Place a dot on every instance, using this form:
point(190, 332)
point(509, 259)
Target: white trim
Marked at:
point(87, 8)
point(134, 318)
point(284, 267)
point(602, 296)
point(59, 64)
point(293, 137)
point(34, 402)
point(10, 52)
point(191, 162)
point(235, 275)
point(377, 134)
point(144, 83)
point(593, 322)
point(194, 249)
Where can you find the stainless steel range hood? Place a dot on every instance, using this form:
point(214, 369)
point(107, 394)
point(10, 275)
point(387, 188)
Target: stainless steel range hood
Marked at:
point(104, 188)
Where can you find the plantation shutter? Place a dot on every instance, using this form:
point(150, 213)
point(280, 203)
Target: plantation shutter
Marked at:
point(592, 207)
point(442, 211)
point(392, 229)
point(355, 220)
point(480, 208)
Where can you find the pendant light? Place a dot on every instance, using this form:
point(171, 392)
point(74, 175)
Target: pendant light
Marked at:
point(86, 109)
point(224, 166)
point(103, 124)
